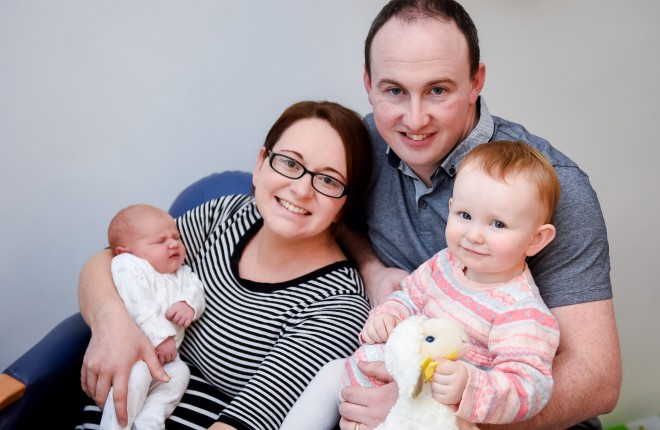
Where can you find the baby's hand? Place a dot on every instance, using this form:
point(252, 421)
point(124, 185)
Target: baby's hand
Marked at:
point(449, 381)
point(180, 313)
point(378, 328)
point(166, 350)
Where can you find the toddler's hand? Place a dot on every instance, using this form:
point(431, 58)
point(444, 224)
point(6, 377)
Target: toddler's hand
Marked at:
point(378, 328)
point(449, 381)
point(180, 313)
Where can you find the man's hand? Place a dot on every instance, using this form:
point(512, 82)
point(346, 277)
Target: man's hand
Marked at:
point(180, 313)
point(381, 282)
point(166, 350)
point(113, 349)
point(378, 328)
point(368, 406)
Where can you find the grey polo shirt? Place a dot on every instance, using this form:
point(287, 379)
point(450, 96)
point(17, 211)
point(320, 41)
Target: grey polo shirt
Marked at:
point(406, 220)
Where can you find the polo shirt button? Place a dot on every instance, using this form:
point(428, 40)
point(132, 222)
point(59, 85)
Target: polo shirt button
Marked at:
point(423, 204)
point(452, 169)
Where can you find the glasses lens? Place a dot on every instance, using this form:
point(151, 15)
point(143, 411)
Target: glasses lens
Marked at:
point(291, 168)
point(286, 166)
point(328, 185)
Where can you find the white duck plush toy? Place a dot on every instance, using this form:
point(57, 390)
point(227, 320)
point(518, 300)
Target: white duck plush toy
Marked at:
point(411, 354)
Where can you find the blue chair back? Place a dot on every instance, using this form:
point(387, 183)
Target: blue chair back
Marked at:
point(210, 187)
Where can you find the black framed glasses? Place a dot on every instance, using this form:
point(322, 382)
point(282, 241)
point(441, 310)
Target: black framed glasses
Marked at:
point(292, 169)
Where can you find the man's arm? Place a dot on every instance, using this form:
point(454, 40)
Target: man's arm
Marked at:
point(586, 369)
point(116, 343)
point(379, 280)
point(368, 405)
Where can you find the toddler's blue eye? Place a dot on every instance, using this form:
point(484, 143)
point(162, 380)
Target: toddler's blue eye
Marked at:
point(430, 339)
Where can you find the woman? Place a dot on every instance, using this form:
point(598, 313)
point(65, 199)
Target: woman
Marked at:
point(282, 298)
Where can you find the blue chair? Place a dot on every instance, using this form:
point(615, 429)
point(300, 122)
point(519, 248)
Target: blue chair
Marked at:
point(47, 377)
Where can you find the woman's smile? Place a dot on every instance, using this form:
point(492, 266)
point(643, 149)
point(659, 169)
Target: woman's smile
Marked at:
point(291, 207)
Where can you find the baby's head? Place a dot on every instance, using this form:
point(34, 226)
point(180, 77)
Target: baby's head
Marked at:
point(503, 160)
point(149, 233)
point(504, 197)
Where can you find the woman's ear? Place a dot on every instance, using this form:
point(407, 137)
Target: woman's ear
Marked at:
point(451, 199)
point(261, 158)
point(543, 236)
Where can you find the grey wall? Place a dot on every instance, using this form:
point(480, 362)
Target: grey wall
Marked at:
point(103, 104)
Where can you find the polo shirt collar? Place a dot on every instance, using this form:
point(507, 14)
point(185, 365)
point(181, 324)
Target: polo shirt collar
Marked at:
point(480, 134)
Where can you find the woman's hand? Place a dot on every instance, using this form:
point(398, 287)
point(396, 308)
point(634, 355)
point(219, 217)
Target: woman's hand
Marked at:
point(368, 406)
point(116, 344)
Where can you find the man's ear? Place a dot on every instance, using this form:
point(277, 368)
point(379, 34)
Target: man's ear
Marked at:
point(367, 85)
point(478, 82)
point(543, 236)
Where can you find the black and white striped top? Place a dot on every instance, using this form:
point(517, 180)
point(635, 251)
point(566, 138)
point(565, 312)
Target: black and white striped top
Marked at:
point(261, 344)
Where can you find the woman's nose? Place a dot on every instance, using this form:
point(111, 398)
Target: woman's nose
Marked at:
point(302, 187)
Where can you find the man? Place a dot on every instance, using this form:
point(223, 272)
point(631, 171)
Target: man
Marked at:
point(423, 79)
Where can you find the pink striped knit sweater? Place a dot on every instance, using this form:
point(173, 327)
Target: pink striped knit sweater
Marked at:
point(513, 336)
